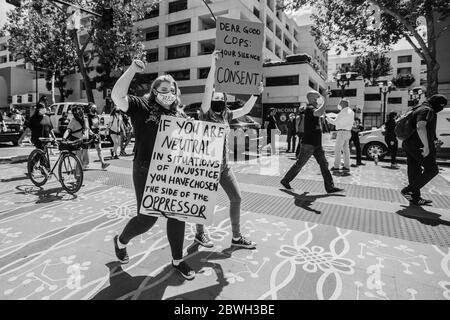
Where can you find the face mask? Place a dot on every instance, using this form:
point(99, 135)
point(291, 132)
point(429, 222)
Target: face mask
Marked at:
point(320, 101)
point(217, 106)
point(166, 99)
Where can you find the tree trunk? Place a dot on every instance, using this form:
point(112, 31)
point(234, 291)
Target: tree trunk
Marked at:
point(432, 64)
point(84, 74)
point(62, 94)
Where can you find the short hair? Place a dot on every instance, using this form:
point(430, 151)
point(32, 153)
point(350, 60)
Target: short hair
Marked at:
point(438, 99)
point(310, 93)
point(272, 109)
point(347, 103)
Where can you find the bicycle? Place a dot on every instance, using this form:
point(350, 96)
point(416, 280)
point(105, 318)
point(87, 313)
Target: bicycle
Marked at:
point(70, 169)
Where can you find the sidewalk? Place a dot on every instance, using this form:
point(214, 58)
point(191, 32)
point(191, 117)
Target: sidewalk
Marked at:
point(365, 243)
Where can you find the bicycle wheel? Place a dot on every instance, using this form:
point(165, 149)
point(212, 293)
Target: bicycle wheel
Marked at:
point(70, 172)
point(38, 167)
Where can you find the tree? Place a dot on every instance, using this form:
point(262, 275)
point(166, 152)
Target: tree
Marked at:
point(111, 48)
point(372, 66)
point(403, 80)
point(40, 36)
point(344, 24)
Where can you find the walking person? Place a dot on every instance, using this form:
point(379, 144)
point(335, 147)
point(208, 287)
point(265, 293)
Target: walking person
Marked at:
point(115, 130)
point(78, 128)
point(291, 133)
point(300, 128)
point(94, 126)
point(214, 109)
point(312, 144)
point(420, 148)
point(63, 122)
point(343, 123)
point(145, 113)
point(356, 129)
point(271, 124)
point(391, 139)
point(40, 126)
point(126, 134)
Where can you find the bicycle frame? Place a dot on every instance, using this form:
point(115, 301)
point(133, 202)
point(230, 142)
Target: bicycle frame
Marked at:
point(56, 162)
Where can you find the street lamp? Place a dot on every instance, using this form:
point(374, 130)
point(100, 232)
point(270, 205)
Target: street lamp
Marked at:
point(385, 89)
point(415, 94)
point(343, 81)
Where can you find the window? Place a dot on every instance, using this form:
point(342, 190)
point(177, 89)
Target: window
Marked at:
point(256, 12)
point(268, 44)
point(404, 70)
point(312, 84)
point(3, 46)
point(152, 34)
point(207, 47)
point(180, 75)
point(269, 23)
point(152, 55)
point(183, 51)
point(372, 120)
point(395, 100)
point(270, 4)
point(278, 14)
point(3, 59)
point(287, 27)
point(347, 93)
point(423, 62)
point(179, 28)
point(372, 97)
point(278, 33)
point(177, 6)
point(19, 99)
point(30, 97)
point(153, 13)
point(287, 42)
point(203, 73)
point(404, 59)
point(282, 81)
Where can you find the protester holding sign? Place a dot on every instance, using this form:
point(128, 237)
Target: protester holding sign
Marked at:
point(145, 114)
point(214, 109)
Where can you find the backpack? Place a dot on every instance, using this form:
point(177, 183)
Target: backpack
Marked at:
point(405, 126)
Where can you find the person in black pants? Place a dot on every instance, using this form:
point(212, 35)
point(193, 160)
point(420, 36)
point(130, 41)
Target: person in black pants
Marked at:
point(291, 133)
point(145, 114)
point(356, 129)
point(300, 128)
point(391, 139)
point(420, 149)
point(271, 124)
point(312, 144)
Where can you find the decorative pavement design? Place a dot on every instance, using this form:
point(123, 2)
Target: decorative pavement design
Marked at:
point(63, 250)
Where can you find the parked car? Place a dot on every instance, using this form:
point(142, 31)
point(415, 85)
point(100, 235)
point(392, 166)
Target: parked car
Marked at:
point(245, 123)
point(13, 132)
point(372, 141)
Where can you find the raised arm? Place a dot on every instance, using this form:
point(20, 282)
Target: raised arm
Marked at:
point(120, 90)
point(248, 105)
point(209, 86)
point(321, 110)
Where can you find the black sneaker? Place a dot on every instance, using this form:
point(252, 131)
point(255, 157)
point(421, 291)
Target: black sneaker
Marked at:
point(121, 254)
point(105, 165)
point(185, 270)
point(243, 243)
point(334, 169)
point(421, 202)
point(334, 190)
point(345, 169)
point(361, 164)
point(203, 239)
point(286, 185)
point(406, 194)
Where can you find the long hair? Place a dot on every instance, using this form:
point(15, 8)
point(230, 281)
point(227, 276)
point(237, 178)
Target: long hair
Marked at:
point(151, 97)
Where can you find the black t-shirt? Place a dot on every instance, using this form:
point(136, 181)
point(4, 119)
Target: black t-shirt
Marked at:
point(390, 129)
point(40, 127)
point(313, 131)
point(272, 122)
point(145, 118)
point(424, 113)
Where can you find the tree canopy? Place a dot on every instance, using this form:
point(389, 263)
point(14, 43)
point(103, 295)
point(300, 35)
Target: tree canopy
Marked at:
point(344, 25)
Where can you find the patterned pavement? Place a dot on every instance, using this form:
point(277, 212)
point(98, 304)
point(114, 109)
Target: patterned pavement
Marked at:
point(364, 244)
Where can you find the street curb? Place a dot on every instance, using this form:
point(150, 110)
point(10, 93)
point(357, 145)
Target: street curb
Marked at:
point(16, 159)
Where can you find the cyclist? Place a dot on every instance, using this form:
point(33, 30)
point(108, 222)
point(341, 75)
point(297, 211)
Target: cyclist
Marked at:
point(94, 125)
point(78, 128)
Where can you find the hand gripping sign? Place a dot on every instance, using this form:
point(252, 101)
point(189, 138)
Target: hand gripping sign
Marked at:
point(240, 68)
point(184, 173)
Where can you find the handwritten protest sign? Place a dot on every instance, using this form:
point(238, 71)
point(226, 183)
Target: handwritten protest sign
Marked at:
point(183, 177)
point(240, 68)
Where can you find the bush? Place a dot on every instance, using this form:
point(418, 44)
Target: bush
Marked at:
point(403, 80)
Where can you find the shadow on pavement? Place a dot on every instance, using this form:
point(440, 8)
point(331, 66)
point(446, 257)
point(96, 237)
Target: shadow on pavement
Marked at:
point(423, 216)
point(45, 196)
point(25, 177)
point(123, 285)
point(305, 202)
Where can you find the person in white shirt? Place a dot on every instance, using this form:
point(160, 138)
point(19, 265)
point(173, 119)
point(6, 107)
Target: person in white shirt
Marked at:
point(344, 124)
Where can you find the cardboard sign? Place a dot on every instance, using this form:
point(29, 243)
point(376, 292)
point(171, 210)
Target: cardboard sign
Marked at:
point(240, 68)
point(184, 173)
